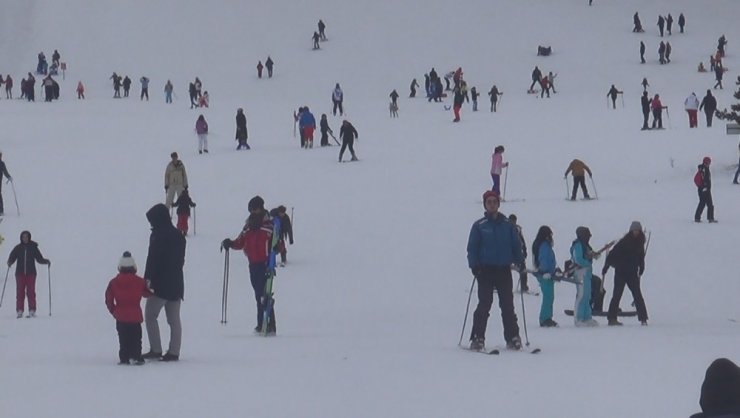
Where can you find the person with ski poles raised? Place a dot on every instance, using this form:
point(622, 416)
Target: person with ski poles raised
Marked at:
point(27, 254)
point(628, 259)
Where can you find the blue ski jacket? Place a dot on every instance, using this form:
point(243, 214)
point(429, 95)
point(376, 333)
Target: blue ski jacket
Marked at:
point(494, 241)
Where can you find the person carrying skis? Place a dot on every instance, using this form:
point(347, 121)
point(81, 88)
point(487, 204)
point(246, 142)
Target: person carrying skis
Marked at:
point(579, 170)
point(337, 98)
point(497, 165)
point(183, 205)
point(703, 182)
point(413, 87)
point(123, 300)
point(126, 85)
point(545, 265)
point(691, 104)
point(612, 93)
point(657, 108)
point(241, 130)
point(523, 287)
point(175, 179)
point(27, 254)
point(255, 240)
point(582, 256)
point(348, 133)
point(536, 76)
point(308, 123)
point(144, 80)
point(269, 65)
point(286, 232)
point(201, 129)
point(493, 248)
point(325, 130)
point(168, 88)
point(494, 93)
point(709, 104)
point(259, 69)
point(645, 102)
point(628, 259)
point(3, 172)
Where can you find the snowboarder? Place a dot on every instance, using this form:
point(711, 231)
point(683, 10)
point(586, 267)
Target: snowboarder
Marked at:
point(325, 130)
point(168, 88)
point(348, 133)
point(164, 275)
point(337, 98)
point(523, 287)
point(3, 172)
point(413, 87)
point(691, 104)
point(612, 93)
point(316, 38)
point(80, 90)
point(259, 69)
point(183, 205)
point(709, 105)
point(642, 52)
point(703, 181)
point(286, 232)
point(493, 247)
point(255, 240)
point(308, 125)
point(638, 25)
point(175, 179)
point(269, 65)
point(201, 129)
point(661, 23)
point(123, 299)
point(657, 108)
point(545, 265)
point(582, 256)
point(322, 29)
point(536, 76)
point(144, 80)
point(494, 93)
point(241, 130)
point(126, 85)
point(497, 165)
point(628, 259)
point(579, 170)
point(681, 22)
point(669, 24)
point(27, 254)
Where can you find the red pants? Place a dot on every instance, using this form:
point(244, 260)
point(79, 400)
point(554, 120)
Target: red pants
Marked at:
point(692, 118)
point(456, 109)
point(25, 285)
point(308, 133)
point(182, 223)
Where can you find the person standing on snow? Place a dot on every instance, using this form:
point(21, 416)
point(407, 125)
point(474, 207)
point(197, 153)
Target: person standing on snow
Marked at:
point(536, 76)
point(669, 24)
point(80, 90)
point(286, 232)
point(168, 88)
point(322, 30)
point(413, 87)
point(642, 52)
point(337, 98)
point(269, 64)
point(460, 94)
point(494, 93)
point(668, 50)
point(579, 170)
point(3, 172)
point(628, 259)
point(27, 254)
point(144, 80)
point(308, 123)
point(582, 256)
point(316, 37)
point(201, 129)
point(497, 165)
point(259, 69)
point(719, 71)
point(681, 22)
point(348, 133)
point(175, 179)
point(193, 95)
point(645, 102)
point(545, 265)
point(657, 108)
point(8, 87)
point(493, 247)
point(691, 104)
point(325, 130)
point(661, 23)
point(164, 275)
point(183, 205)
point(474, 97)
point(394, 97)
point(241, 130)
point(709, 104)
point(551, 81)
point(126, 86)
point(612, 93)
point(703, 181)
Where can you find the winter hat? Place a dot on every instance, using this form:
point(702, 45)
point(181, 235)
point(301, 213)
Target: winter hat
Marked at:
point(706, 160)
point(635, 226)
point(126, 262)
point(499, 148)
point(490, 193)
point(583, 233)
point(256, 203)
point(720, 391)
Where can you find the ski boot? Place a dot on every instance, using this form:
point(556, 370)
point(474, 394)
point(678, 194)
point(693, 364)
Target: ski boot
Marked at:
point(514, 344)
point(477, 343)
point(614, 322)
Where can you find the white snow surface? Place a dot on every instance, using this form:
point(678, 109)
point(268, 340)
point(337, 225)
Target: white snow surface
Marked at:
point(371, 304)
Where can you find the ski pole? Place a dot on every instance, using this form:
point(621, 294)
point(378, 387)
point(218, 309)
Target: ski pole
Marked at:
point(292, 225)
point(596, 193)
point(4, 283)
point(15, 197)
point(334, 138)
point(225, 292)
point(669, 117)
point(195, 224)
point(467, 309)
point(48, 267)
point(524, 314)
point(567, 187)
point(506, 178)
point(622, 96)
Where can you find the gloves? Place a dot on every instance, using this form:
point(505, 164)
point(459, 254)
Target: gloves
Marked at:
point(476, 271)
point(226, 244)
point(596, 256)
point(193, 204)
point(46, 261)
point(291, 242)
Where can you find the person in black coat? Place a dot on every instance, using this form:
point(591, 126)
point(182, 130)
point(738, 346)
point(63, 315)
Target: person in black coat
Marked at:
point(661, 52)
point(325, 131)
point(642, 52)
point(126, 86)
point(269, 64)
point(286, 232)
point(241, 129)
point(709, 105)
point(628, 259)
point(193, 95)
point(536, 76)
point(718, 74)
point(612, 93)
point(347, 133)
point(669, 24)
point(414, 85)
point(164, 276)
point(645, 101)
point(638, 25)
point(720, 391)
point(27, 254)
point(3, 172)
point(704, 189)
point(661, 23)
point(681, 22)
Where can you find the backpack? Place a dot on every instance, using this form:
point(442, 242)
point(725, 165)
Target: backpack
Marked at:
point(697, 179)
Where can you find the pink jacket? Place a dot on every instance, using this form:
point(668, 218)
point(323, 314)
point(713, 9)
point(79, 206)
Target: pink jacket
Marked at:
point(201, 127)
point(497, 163)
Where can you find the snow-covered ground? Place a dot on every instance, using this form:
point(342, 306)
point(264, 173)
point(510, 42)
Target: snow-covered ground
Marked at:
point(371, 304)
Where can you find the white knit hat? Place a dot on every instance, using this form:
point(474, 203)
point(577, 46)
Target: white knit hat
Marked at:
point(127, 261)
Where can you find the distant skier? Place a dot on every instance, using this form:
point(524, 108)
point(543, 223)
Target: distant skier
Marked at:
point(322, 30)
point(628, 259)
point(308, 123)
point(337, 98)
point(348, 134)
point(394, 97)
point(123, 300)
point(669, 24)
point(144, 80)
point(269, 64)
point(168, 88)
point(691, 104)
point(3, 172)
point(413, 87)
point(536, 76)
point(579, 170)
point(661, 24)
point(241, 130)
point(709, 105)
point(703, 182)
point(497, 166)
point(126, 86)
point(545, 265)
point(474, 97)
point(27, 254)
point(657, 108)
point(80, 90)
point(718, 74)
point(316, 39)
point(582, 256)
point(638, 25)
point(681, 22)
point(325, 130)
point(612, 93)
point(642, 52)
point(201, 129)
point(175, 179)
point(8, 87)
point(259, 69)
point(661, 52)
point(668, 50)
point(494, 93)
point(183, 205)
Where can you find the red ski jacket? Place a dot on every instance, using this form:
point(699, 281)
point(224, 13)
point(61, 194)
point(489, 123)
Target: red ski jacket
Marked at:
point(255, 242)
point(123, 297)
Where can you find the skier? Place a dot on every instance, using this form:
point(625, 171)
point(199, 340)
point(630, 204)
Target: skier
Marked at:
point(183, 205)
point(661, 52)
point(523, 287)
point(201, 129)
point(497, 165)
point(348, 133)
point(322, 29)
point(681, 22)
point(175, 179)
point(579, 170)
point(494, 93)
point(582, 256)
point(259, 69)
point(123, 299)
point(80, 90)
point(168, 88)
point(413, 87)
point(144, 80)
point(269, 65)
point(612, 93)
point(8, 87)
point(642, 52)
point(241, 130)
point(27, 254)
point(709, 104)
point(545, 264)
point(337, 97)
point(286, 232)
point(718, 73)
point(628, 259)
point(325, 130)
point(703, 181)
point(3, 172)
point(164, 276)
point(474, 96)
point(691, 104)
point(657, 108)
point(638, 25)
point(536, 76)
point(460, 95)
point(126, 85)
point(668, 52)
point(394, 97)
point(308, 123)
point(193, 95)
point(316, 38)
point(669, 24)
point(255, 240)
point(719, 391)
point(493, 247)
point(737, 173)
point(661, 23)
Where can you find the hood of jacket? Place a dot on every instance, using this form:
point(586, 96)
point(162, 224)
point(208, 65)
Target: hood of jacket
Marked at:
point(158, 216)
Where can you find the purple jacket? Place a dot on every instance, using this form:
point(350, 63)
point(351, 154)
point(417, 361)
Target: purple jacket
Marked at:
point(201, 127)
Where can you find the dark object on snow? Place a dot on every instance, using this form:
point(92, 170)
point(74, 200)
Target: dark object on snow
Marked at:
point(720, 391)
point(544, 50)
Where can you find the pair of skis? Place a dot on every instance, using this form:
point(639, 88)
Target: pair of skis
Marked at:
point(268, 297)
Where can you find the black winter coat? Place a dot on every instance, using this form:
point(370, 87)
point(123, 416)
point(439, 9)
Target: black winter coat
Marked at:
point(166, 257)
point(241, 127)
point(709, 104)
point(27, 255)
point(627, 257)
point(348, 132)
point(324, 126)
point(183, 204)
point(645, 104)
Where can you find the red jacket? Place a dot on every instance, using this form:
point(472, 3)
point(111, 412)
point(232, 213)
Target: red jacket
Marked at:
point(123, 297)
point(656, 104)
point(255, 241)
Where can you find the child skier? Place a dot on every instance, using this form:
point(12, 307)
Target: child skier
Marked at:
point(183, 205)
point(123, 299)
point(27, 254)
point(286, 231)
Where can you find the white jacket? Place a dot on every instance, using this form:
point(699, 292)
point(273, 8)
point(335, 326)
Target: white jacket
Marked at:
point(691, 102)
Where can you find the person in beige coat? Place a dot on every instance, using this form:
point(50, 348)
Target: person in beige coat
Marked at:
point(579, 170)
point(175, 179)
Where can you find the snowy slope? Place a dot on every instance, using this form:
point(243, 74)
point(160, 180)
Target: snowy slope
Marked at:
point(371, 304)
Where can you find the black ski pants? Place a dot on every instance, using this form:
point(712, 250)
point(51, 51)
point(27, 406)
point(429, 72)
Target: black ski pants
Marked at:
point(705, 199)
point(579, 180)
point(632, 281)
point(324, 138)
point(347, 142)
point(338, 105)
point(709, 116)
point(498, 278)
point(645, 118)
point(658, 118)
point(129, 341)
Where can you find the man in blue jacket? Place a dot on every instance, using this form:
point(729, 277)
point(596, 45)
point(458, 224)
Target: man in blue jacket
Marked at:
point(493, 247)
